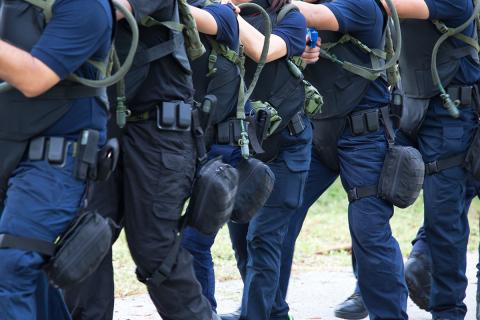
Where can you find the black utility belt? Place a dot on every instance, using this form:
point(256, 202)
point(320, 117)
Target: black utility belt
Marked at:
point(170, 116)
point(364, 122)
point(229, 132)
point(91, 163)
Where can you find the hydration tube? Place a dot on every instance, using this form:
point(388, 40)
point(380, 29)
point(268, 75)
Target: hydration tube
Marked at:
point(398, 44)
point(451, 106)
point(120, 73)
point(267, 26)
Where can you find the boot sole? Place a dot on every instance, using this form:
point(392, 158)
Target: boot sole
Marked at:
point(417, 296)
point(351, 315)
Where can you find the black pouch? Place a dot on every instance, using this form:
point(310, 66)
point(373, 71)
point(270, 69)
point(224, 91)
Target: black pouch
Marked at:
point(80, 250)
point(213, 196)
point(174, 116)
point(255, 185)
point(401, 179)
point(472, 160)
point(326, 133)
point(403, 172)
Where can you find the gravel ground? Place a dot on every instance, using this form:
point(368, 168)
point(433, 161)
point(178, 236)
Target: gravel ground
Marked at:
point(312, 295)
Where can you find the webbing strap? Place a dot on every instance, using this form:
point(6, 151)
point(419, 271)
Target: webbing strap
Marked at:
point(387, 122)
point(199, 137)
point(285, 10)
point(362, 192)
point(443, 164)
point(172, 25)
point(27, 244)
point(163, 271)
point(45, 5)
point(159, 51)
point(442, 28)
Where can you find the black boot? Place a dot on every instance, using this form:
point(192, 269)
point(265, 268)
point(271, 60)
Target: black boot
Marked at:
point(418, 275)
point(352, 308)
point(235, 315)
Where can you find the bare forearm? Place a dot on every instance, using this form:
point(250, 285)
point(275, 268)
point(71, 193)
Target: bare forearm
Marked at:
point(23, 71)
point(205, 21)
point(318, 16)
point(410, 9)
point(253, 41)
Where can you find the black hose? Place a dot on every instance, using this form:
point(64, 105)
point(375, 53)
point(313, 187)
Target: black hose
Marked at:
point(451, 106)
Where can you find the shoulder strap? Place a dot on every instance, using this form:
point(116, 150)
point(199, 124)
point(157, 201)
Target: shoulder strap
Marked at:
point(442, 28)
point(286, 10)
point(45, 5)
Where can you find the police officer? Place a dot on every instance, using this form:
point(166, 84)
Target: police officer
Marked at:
point(339, 136)
point(44, 113)
point(220, 35)
point(418, 268)
point(443, 136)
point(287, 154)
point(158, 167)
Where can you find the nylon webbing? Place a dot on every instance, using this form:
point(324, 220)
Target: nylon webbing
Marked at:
point(45, 5)
point(443, 164)
point(27, 244)
point(362, 192)
point(442, 28)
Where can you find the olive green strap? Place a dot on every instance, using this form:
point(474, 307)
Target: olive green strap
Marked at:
point(152, 22)
point(285, 10)
point(45, 5)
point(359, 44)
point(442, 28)
point(393, 75)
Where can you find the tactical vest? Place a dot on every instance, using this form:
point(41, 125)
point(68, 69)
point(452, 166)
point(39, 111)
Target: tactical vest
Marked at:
point(22, 118)
point(220, 77)
point(419, 38)
point(164, 23)
point(342, 89)
point(279, 86)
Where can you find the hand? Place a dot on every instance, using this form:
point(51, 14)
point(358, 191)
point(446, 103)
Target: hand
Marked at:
point(311, 55)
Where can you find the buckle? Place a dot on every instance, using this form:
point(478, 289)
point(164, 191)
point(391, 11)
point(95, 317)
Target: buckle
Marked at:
point(352, 195)
point(431, 168)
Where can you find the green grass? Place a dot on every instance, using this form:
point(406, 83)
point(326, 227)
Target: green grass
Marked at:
point(323, 244)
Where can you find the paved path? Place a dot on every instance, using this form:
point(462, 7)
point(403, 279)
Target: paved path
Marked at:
point(313, 295)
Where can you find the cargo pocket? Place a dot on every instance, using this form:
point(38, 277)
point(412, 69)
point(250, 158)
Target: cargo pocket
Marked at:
point(289, 185)
point(174, 181)
point(452, 140)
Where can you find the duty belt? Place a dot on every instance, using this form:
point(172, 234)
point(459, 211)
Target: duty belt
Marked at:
point(170, 116)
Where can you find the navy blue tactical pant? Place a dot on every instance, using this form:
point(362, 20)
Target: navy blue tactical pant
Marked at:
point(267, 230)
point(41, 202)
point(446, 207)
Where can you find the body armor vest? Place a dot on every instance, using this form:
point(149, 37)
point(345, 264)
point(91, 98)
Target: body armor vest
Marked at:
point(419, 38)
point(223, 82)
point(151, 47)
point(342, 90)
point(279, 86)
point(22, 118)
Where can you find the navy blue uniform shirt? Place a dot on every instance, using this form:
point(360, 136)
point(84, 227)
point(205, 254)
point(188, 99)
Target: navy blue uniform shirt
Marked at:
point(363, 19)
point(227, 24)
point(454, 13)
point(78, 31)
point(292, 29)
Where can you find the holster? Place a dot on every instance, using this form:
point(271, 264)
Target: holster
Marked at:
point(326, 133)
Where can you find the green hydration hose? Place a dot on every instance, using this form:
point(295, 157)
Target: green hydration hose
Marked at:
point(391, 63)
point(451, 106)
point(267, 27)
point(122, 70)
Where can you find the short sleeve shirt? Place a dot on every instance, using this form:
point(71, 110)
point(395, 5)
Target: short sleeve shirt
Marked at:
point(78, 31)
point(364, 20)
point(454, 13)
